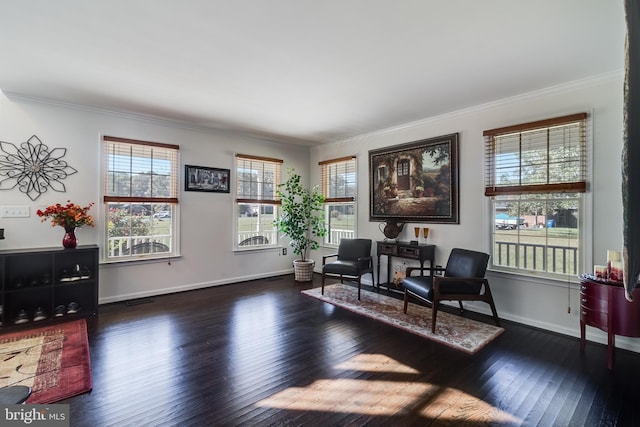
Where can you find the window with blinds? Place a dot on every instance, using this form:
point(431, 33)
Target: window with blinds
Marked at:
point(257, 180)
point(339, 186)
point(140, 194)
point(539, 157)
point(535, 174)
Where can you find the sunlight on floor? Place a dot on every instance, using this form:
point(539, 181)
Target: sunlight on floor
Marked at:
point(386, 397)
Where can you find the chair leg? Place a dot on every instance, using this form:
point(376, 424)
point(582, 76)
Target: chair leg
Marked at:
point(322, 292)
point(489, 299)
point(434, 312)
point(494, 311)
point(406, 301)
point(461, 307)
point(358, 288)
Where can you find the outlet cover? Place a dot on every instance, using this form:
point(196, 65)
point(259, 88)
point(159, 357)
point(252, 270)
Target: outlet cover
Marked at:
point(15, 211)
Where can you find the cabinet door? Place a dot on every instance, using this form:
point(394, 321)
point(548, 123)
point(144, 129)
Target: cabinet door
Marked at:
point(625, 315)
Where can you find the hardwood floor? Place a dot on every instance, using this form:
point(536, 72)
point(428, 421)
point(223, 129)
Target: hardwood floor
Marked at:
point(260, 353)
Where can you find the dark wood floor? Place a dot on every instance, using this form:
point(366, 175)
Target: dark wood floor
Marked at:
point(242, 354)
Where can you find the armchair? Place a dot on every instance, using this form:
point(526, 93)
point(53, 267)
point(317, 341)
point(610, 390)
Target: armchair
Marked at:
point(463, 280)
point(353, 260)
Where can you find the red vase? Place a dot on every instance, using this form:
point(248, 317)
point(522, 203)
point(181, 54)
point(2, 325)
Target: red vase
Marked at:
point(69, 240)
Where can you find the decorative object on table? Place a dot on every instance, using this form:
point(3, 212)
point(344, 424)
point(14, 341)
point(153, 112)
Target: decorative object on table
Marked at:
point(69, 216)
point(201, 178)
point(614, 266)
point(52, 360)
point(302, 220)
point(33, 168)
point(416, 181)
point(392, 228)
point(454, 331)
point(400, 274)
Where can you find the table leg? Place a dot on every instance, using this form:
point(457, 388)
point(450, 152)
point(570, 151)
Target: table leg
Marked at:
point(611, 346)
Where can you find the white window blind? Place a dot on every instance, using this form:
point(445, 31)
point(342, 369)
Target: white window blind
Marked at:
point(547, 156)
point(140, 171)
point(339, 179)
point(257, 179)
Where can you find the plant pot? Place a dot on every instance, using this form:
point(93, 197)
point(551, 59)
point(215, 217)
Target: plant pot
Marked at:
point(303, 270)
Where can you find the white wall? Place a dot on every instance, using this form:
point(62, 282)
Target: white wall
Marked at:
point(533, 301)
point(206, 231)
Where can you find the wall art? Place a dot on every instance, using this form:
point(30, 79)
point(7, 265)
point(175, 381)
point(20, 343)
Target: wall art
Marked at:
point(33, 168)
point(200, 178)
point(415, 182)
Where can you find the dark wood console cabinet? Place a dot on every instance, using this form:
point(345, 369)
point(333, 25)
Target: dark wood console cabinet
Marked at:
point(405, 250)
point(48, 278)
point(603, 306)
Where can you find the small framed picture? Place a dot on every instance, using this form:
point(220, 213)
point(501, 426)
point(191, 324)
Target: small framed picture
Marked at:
point(201, 178)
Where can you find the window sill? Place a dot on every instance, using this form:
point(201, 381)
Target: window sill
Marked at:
point(535, 278)
point(256, 249)
point(139, 260)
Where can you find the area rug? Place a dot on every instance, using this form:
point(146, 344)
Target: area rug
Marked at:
point(52, 360)
point(454, 331)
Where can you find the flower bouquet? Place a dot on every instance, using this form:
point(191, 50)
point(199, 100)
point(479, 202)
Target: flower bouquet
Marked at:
point(69, 216)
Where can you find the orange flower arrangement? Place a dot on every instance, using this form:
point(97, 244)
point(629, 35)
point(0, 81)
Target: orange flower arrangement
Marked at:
point(68, 216)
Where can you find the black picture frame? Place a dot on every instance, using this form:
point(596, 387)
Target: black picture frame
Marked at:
point(202, 178)
point(415, 181)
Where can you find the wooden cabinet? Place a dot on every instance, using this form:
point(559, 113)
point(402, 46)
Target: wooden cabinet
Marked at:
point(405, 250)
point(603, 306)
point(43, 280)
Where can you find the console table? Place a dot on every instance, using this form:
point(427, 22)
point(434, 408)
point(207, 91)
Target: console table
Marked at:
point(405, 250)
point(603, 306)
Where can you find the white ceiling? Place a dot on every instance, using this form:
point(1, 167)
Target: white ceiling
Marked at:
point(303, 71)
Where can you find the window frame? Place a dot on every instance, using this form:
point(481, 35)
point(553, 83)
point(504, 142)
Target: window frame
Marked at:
point(270, 165)
point(172, 152)
point(546, 191)
point(347, 164)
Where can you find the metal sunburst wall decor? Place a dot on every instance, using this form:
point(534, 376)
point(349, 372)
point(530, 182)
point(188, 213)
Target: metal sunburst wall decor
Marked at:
point(33, 167)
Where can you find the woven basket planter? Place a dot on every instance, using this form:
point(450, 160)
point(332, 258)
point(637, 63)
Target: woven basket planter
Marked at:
point(303, 270)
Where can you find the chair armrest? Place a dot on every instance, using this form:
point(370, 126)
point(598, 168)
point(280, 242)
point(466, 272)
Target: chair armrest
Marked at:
point(437, 270)
point(365, 262)
point(438, 279)
point(461, 279)
point(324, 258)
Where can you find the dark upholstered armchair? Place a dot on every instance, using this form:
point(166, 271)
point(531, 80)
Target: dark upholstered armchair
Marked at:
point(353, 260)
point(463, 280)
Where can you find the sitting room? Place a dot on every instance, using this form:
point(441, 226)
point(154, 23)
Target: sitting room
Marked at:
point(320, 213)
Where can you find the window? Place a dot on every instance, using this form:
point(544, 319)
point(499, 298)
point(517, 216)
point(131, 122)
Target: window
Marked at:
point(536, 178)
point(339, 183)
point(140, 198)
point(257, 179)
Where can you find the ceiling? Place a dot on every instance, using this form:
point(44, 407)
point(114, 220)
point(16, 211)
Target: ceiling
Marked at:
point(302, 71)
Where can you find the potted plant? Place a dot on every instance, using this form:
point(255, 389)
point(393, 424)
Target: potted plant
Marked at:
point(302, 220)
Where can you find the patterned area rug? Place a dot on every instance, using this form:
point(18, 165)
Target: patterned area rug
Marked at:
point(53, 361)
point(455, 331)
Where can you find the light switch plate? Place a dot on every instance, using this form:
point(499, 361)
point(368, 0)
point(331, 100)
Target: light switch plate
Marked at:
point(15, 211)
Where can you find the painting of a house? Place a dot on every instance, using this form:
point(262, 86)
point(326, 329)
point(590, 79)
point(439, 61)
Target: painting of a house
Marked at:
point(416, 181)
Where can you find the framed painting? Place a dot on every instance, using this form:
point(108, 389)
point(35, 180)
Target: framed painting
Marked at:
point(415, 181)
point(201, 178)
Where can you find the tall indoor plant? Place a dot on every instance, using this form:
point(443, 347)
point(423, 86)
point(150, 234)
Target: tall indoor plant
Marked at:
point(302, 220)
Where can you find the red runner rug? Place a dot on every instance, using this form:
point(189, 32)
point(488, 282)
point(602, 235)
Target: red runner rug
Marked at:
point(52, 360)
